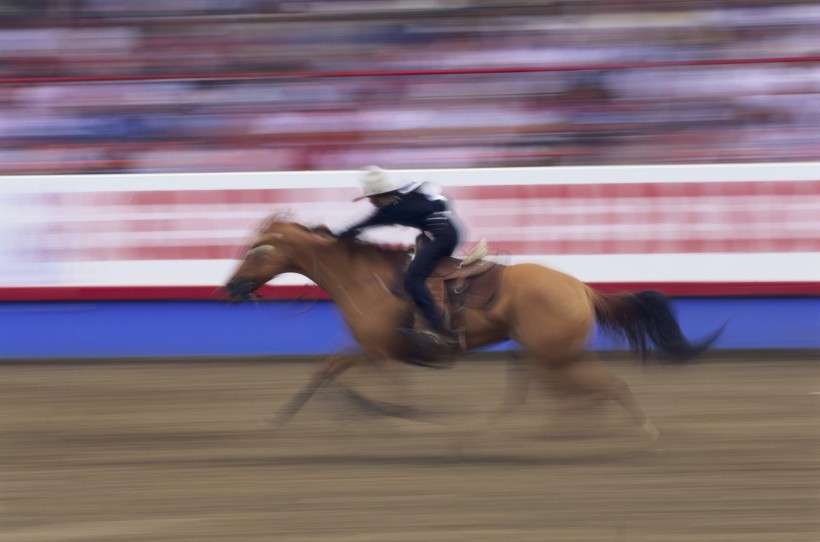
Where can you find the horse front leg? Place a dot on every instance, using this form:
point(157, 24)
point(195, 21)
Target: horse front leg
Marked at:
point(330, 369)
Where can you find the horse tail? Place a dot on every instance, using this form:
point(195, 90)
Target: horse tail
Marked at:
point(645, 319)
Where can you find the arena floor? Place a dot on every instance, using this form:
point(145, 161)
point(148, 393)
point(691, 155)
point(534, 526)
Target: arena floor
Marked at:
point(179, 451)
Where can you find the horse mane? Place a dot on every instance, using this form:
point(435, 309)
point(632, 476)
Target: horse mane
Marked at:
point(278, 217)
point(357, 247)
point(368, 249)
point(386, 249)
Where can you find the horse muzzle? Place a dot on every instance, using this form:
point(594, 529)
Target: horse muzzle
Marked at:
point(240, 290)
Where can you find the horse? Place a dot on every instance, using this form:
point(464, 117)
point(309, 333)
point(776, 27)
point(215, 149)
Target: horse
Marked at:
point(550, 314)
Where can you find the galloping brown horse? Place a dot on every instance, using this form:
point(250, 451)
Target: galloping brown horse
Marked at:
point(550, 314)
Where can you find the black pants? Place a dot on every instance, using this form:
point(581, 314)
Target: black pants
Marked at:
point(443, 245)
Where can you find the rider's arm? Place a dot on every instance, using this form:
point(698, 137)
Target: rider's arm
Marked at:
point(379, 218)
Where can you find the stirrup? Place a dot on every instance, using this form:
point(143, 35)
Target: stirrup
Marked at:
point(432, 363)
point(428, 338)
point(431, 350)
point(436, 339)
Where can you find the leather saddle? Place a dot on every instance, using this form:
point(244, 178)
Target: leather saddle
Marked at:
point(456, 284)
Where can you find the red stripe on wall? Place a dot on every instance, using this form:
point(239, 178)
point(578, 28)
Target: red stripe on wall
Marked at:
point(638, 190)
point(226, 197)
point(227, 250)
point(514, 191)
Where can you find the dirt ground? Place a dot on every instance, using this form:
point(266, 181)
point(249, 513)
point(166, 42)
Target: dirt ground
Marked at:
point(180, 451)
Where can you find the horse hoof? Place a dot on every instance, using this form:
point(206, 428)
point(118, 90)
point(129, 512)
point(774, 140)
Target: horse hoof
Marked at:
point(651, 431)
point(272, 424)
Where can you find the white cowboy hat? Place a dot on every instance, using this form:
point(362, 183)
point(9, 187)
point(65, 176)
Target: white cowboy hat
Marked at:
point(377, 181)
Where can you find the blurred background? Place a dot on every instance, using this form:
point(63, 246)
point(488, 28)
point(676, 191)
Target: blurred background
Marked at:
point(119, 86)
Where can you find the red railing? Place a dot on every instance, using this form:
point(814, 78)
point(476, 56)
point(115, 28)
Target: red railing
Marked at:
point(404, 73)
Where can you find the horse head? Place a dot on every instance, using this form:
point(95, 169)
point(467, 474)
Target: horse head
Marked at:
point(277, 248)
point(282, 246)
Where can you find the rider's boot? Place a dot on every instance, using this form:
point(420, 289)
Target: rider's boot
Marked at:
point(436, 339)
point(432, 347)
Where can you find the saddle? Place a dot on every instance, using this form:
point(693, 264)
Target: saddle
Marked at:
point(471, 282)
point(456, 286)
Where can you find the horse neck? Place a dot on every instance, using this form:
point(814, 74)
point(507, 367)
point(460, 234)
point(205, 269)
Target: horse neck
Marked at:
point(334, 268)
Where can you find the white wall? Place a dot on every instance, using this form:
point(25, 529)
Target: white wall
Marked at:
point(732, 223)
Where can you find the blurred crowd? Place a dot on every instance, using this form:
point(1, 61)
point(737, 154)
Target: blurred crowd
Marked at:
point(257, 85)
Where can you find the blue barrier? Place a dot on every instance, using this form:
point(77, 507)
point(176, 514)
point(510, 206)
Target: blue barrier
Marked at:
point(159, 329)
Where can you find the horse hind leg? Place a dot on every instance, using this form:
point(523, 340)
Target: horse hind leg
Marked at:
point(591, 376)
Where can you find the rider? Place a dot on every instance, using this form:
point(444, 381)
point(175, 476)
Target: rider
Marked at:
point(419, 205)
